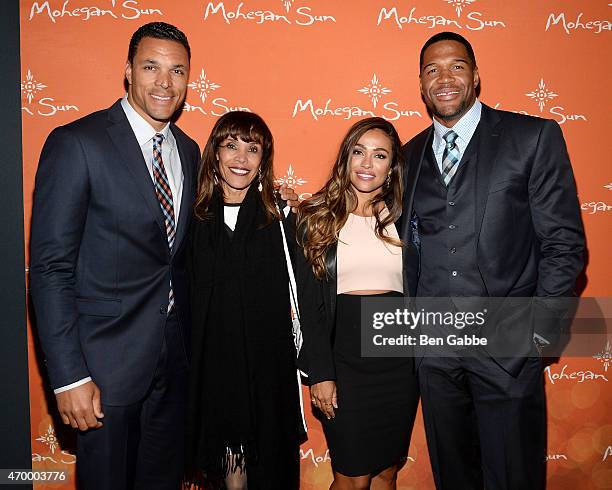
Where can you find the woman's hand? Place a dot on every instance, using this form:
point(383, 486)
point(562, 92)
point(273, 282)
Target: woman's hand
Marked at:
point(323, 396)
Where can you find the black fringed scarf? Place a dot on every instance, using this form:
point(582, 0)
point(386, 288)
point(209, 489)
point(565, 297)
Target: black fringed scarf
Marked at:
point(239, 292)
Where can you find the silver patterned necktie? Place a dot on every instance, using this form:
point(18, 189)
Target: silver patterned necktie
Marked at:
point(450, 157)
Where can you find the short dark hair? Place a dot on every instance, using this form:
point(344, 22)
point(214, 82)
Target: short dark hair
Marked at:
point(448, 36)
point(157, 30)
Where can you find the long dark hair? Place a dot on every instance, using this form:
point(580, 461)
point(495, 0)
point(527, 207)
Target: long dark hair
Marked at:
point(321, 217)
point(250, 128)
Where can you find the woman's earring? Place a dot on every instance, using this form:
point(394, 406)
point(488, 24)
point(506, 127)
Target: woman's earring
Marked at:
point(260, 186)
point(215, 179)
point(388, 181)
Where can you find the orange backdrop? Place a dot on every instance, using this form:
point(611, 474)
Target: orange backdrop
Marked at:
point(311, 68)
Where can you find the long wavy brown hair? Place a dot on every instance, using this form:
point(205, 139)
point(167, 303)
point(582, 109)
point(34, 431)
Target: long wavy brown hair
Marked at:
point(321, 217)
point(250, 128)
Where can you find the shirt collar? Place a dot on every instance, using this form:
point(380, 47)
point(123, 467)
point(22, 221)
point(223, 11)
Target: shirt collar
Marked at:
point(143, 131)
point(464, 128)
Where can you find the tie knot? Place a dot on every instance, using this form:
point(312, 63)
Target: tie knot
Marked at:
point(157, 139)
point(450, 138)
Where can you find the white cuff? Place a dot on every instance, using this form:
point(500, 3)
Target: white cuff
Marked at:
point(80, 382)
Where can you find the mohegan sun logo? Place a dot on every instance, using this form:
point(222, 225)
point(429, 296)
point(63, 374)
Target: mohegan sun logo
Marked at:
point(473, 20)
point(45, 106)
point(572, 23)
point(291, 179)
point(301, 16)
point(460, 5)
point(30, 87)
point(128, 10)
point(542, 95)
point(49, 438)
point(204, 86)
point(374, 90)
point(605, 356)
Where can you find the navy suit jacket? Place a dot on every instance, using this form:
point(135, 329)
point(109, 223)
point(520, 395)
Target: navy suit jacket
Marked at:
point(100, 266)
point(530, 239)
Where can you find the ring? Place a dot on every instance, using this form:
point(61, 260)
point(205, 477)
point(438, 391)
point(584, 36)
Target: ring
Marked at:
point(313, 400)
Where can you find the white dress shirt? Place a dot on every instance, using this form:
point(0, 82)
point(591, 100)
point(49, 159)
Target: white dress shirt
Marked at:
point(144, 133)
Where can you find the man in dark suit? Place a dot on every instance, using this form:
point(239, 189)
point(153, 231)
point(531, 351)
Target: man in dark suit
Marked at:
point(112, 205)
point(491, 198)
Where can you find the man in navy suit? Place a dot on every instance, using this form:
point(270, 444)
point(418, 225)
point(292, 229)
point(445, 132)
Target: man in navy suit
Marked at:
point(112, 205)
point(490, 196)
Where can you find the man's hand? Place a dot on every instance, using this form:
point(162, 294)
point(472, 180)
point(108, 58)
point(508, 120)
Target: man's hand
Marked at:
point(81, 406)
point(323, 396)
point(288, 194)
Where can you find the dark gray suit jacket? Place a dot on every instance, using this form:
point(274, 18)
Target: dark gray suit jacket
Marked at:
point(530, 238)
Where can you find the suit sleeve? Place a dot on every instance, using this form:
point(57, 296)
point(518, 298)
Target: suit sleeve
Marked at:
point(556, 215)
point(59, 213)
point(316, 358)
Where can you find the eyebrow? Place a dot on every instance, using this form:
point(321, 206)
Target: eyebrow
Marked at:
point(150, 61)
point(461, 60)
point(369, 147)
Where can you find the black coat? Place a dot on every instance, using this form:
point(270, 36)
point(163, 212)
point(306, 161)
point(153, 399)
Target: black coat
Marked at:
point(243, 386)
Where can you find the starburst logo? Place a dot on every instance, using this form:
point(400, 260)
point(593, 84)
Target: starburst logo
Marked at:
point(542, 95)
point(374, 90)
point(605, 356)
point(290, 179)
point(287, 4)
point(31, 87)
point(50, 439)
point(609, 186)
point(203, 86)
point(459, 5)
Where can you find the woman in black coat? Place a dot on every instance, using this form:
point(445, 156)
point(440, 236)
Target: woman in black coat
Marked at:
point(244, 412)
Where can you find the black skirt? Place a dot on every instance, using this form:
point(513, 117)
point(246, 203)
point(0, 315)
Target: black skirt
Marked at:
point(377, 401)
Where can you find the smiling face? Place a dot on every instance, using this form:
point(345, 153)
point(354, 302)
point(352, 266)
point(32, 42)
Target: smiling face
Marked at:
point(157, 79)
point(369, 164)
point(448, 81)
point(239, 163)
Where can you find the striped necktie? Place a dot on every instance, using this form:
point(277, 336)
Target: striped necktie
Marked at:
point(164, 196)
point(450, 157)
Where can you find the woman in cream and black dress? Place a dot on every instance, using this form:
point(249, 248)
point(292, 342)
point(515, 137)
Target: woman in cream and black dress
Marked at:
point(351, 251)
point(244, 412)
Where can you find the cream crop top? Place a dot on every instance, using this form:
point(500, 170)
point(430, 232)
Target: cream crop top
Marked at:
point(364, 261)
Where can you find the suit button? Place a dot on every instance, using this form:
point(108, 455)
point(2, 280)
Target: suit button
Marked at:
point(453, 250)
point(454, 273)
point(452, 227)
point(451, 203)
point(163, 310)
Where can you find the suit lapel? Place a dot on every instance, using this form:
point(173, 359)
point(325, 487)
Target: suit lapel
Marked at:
point(412, 176)
point(127, 147)
point(186, 198)
point(488, 147)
